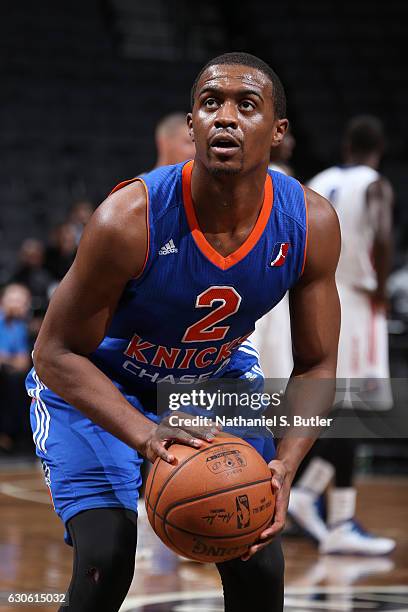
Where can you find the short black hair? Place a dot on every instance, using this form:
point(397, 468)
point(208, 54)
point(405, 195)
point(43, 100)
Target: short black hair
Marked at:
point(246, 59)
point(365, 134)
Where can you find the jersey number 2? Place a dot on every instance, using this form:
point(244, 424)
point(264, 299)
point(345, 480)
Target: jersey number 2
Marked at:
point(205, 329)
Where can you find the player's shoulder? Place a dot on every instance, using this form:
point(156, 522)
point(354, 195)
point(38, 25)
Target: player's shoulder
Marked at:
point(115, 238)
point(118, 225)
point(164, 188)
point(362, 173)
point(370, 180)
point(126, 204)
point(380, 189)
point(319, 209)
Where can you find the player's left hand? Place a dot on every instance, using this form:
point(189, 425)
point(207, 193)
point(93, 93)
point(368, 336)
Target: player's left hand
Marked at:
point(281, 486)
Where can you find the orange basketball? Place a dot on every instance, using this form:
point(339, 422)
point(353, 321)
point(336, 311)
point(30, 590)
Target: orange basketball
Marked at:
point(213, 503)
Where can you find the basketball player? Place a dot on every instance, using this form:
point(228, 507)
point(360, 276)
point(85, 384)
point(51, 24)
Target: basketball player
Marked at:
point(173, 142)
point(363, 201)
point(133, 312)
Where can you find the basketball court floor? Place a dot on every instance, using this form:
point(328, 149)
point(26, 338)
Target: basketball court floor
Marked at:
point(34, 558)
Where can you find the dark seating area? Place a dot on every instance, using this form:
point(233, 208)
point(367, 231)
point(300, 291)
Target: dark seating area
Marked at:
point(81, 95)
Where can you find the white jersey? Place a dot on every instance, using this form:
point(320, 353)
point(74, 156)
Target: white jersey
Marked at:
point(363, 343)
point(346, 188)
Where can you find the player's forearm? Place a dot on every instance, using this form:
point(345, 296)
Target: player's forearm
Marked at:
point(80, 383)
point(309, 395)
point(291, 451)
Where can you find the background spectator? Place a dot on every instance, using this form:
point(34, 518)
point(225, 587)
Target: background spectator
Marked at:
point(173, 142)
point(32, 273)
point(79, 216)
point(14, 364)
point(61, 253)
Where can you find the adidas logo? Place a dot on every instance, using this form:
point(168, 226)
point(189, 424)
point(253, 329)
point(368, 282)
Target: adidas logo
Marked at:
point(168, 248)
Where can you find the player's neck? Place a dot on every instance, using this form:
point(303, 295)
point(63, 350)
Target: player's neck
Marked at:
point(223, 202)
point(372, 160)
point(162, 160)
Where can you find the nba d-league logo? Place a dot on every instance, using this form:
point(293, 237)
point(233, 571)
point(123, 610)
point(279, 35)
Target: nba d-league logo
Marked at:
point(279, 252)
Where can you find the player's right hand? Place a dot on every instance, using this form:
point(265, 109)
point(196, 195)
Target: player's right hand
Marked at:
point(165, 434)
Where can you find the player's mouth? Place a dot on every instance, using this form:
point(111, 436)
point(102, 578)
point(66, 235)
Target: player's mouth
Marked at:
point(224, 145)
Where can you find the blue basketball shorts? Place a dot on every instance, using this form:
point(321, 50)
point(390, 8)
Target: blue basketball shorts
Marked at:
point(86, 467)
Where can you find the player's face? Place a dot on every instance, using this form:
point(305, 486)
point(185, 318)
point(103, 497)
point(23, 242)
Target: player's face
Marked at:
point(233, 122)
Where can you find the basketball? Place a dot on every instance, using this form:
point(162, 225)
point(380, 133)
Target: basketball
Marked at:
point(213, 502)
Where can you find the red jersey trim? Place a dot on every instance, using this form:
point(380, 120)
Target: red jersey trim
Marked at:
point(205, 247)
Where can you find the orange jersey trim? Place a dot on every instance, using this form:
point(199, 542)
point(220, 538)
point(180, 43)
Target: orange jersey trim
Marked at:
point(124, 184)
point(202, 243)
point(307, 229)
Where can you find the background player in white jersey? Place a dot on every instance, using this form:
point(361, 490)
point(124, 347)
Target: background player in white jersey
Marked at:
point(363, 201)
point(272, 337)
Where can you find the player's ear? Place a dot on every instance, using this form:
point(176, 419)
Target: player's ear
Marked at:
point(190, 126)
point(279, 130)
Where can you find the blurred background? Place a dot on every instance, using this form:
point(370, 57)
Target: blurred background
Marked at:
point(84, 86)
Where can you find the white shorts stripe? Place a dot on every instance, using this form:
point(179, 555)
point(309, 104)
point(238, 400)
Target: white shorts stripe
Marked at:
point(42, 416)
point(244, 349)
point(257, 369)
point(250, 345)
point(46, 428)
point(34, 394)
point(37, 418)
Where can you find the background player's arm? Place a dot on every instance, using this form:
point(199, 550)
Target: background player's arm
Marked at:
point(111, 252)
point(315, 324)
point(380, 202)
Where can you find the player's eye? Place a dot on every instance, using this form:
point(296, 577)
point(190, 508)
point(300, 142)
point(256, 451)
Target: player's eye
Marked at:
point(247, 105)
point(210, 103)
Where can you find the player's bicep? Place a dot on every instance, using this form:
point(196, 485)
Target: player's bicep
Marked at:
point(81, 308)
point(315, 324)
point(111, 252)
point(314, 302)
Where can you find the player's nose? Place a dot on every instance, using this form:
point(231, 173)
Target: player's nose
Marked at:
point(226, 116)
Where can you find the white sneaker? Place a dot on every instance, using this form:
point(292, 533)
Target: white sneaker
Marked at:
point(304, 511)
point(349, 538)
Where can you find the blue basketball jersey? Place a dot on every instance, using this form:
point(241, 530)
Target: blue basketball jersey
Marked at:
point(185, 315)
